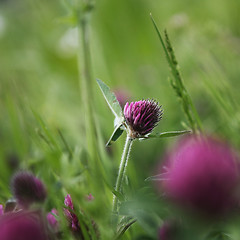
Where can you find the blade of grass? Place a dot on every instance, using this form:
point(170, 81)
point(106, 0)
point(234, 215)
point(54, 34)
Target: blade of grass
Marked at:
point(177, 83)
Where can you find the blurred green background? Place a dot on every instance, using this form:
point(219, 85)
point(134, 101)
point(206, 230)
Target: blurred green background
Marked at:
point(40, 90)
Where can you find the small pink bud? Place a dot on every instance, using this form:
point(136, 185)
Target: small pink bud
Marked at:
point(68, 201)
point(71, 216)
point(53, 222)
point(90, 197)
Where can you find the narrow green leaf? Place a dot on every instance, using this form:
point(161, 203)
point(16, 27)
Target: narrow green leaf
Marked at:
point(162, 42)
point(167, 134)
point(111, 100)
point(118, 195)
point(66, 144)
point(115, 135)
point(49, 138)
point(124, 229)
point(177, 82)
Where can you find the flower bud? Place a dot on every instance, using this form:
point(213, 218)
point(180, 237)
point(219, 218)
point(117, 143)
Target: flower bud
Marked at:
point(142, 116)
point(122, 96)
point(27, 189)
point(53, 222)
point(71, 216)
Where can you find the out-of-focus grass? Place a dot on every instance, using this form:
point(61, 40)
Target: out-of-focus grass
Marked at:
point(39, 80)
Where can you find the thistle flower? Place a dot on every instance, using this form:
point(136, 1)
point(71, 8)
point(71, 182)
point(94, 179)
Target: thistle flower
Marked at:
point(142, 116)
point(202, 175)
point(27, 189)
point(21, 226)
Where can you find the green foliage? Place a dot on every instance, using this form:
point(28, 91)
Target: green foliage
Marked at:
point(177, 83)
point(43, 108)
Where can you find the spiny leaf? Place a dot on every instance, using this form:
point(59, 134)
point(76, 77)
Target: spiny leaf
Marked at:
point(111, 101)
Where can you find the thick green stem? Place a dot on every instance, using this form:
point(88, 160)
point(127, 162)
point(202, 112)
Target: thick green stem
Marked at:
point(122, 169)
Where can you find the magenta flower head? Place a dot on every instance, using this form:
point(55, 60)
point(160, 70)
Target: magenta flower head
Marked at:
point(202, 174)
point(27, 189)
point(21, 226)
point(142, 116)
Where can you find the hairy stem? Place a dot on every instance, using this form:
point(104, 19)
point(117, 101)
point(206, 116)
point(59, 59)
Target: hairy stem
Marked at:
point(122, 170)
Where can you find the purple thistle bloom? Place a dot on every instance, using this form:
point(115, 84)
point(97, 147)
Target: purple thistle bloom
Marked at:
point(202, 175)
point(142, 116)
point(21, 226)
point(27, 189)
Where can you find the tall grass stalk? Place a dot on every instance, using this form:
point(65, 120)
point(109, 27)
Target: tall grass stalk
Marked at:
point(177, 82)
point(86, 85)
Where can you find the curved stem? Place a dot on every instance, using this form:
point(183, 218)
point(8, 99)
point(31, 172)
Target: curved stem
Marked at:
point(122, 170)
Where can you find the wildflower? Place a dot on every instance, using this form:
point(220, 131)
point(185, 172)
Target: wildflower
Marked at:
point(142, 116)
point(53, 222)
point(27, 189)
point(21, 226)
point(71, 216)
point(202, 175)
point(90, 197)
